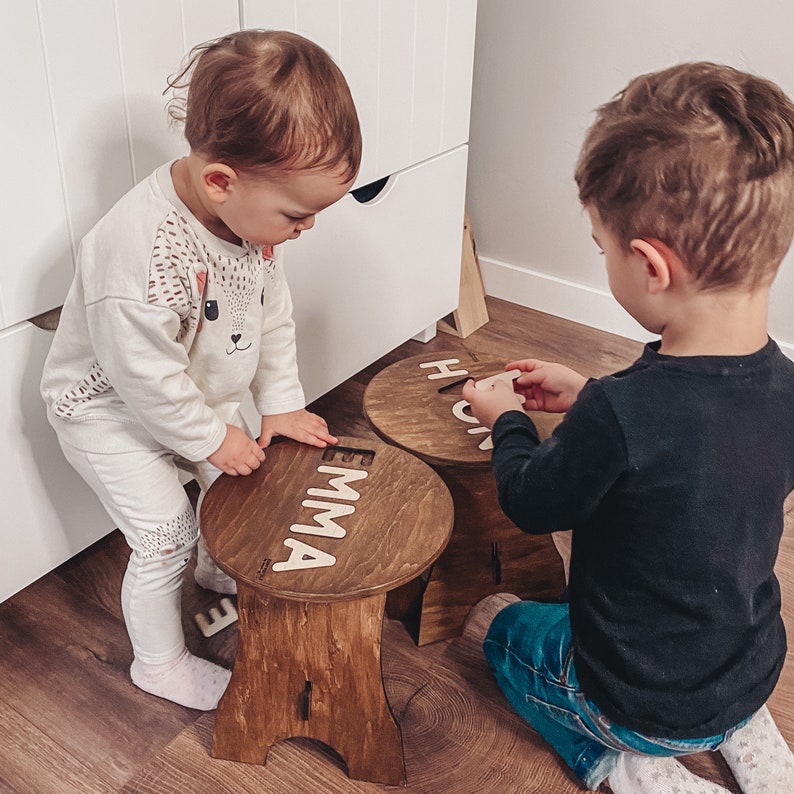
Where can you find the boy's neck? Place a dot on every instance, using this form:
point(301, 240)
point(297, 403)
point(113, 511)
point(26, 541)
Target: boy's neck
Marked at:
point(728, 322)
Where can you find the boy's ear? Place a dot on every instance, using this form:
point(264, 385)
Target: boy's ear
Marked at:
point(218, 180)
point(660, 263)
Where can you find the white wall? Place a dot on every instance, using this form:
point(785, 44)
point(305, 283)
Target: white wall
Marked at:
point(540, 70)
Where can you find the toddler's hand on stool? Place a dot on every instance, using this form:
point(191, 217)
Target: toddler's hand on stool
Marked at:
point(238, 454)
point(302, 425)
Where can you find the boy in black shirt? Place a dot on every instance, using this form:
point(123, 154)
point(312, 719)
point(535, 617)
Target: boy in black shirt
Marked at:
point(673, 473)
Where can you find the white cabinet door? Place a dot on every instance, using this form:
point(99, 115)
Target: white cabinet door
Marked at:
point(35, 269)
point(84, 120)
point(87, 96)
point(49, 514)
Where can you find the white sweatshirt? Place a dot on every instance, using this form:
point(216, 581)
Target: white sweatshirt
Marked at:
point(165, 328)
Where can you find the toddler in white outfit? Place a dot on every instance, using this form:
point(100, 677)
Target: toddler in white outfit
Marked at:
point(179, 307)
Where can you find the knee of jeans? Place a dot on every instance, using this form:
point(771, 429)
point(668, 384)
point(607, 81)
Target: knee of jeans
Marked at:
point(172, 542)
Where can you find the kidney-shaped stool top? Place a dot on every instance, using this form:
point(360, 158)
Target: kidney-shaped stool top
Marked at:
point(417, 404)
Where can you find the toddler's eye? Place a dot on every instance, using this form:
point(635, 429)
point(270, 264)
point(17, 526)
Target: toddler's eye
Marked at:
point(211, 310)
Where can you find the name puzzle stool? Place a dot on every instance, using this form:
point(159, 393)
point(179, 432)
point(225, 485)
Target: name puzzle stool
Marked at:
point(314, 539)
point(417, 405)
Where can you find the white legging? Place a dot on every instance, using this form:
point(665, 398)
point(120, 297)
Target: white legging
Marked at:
point(142, 494)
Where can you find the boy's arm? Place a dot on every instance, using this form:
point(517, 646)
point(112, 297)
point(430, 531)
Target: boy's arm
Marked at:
point(540, 386)
point(555, 485)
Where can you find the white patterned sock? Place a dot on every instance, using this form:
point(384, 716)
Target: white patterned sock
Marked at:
point(759, 757)
point(188, 681)
point(209, 576)
point(643, 774)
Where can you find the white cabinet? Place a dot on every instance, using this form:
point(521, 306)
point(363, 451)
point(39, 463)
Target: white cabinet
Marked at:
point(85, 120)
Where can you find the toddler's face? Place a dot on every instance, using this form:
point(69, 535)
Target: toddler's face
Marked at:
point(269, 210)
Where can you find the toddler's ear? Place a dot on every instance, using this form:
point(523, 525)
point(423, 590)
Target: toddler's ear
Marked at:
point(218, 180)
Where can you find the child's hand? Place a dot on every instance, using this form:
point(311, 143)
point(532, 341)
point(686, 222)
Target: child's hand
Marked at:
point(546, 386)
point(238, 454)
point(489, 404)
point(301, 425)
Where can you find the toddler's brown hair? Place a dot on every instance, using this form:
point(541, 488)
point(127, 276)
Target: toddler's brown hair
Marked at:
point(262, 100)
point(701, 157)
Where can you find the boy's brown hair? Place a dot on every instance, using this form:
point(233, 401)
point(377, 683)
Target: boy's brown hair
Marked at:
point(701, 157)
point(261, 100)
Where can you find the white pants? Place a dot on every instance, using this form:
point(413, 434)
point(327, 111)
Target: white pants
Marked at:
point(143, 495)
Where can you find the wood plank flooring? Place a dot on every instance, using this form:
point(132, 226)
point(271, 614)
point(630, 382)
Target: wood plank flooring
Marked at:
point(71, 721)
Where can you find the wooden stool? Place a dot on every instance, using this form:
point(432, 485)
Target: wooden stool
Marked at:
point(417, 405)
point(314, 539)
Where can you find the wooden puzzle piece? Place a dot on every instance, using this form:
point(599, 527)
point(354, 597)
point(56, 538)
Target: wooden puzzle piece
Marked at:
point(508, 377)
point(216, 620)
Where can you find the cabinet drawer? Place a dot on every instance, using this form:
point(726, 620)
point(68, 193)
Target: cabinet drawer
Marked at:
point(49, 514)
point(369, 276)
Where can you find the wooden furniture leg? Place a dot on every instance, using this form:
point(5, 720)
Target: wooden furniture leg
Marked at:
point(486, 554)
point(310, 669)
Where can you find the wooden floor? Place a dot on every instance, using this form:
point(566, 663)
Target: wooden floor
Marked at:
point(71, 721)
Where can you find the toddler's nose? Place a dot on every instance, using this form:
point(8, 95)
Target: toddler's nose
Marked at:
point(305, 224)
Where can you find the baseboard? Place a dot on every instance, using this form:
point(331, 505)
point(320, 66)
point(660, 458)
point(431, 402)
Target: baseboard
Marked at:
point(567, 299)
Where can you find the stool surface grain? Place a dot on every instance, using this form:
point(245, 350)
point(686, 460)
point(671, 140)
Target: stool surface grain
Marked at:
point(417, 404)
point(394, 513)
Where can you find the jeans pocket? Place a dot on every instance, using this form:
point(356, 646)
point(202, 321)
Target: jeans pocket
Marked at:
point(602, 727)
point(565, 718)
point(567, 670)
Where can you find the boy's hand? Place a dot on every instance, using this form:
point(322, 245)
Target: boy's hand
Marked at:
point(546, 386)
point(238, 454)
point(302, 425)
point(489, 404)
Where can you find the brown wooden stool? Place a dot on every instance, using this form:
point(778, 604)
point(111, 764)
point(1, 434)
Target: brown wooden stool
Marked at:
point(314, 539)
point(417, 405)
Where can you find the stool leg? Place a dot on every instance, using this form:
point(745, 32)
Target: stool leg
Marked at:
point(487, 554)
point(310, 669)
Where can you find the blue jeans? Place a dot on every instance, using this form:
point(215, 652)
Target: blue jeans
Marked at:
point(529, 648)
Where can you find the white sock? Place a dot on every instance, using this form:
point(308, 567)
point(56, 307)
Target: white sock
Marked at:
point(209, 576)
point(759, 757)
point(644, 774)
point(188, 680)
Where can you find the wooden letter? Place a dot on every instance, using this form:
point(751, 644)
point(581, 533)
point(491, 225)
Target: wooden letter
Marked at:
point(459, 411)
point(342, 490)
point(303, 556)
point(328, 527)
point(443, 369)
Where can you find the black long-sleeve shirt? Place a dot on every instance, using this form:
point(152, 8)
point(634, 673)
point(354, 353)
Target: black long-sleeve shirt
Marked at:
point(672, 475)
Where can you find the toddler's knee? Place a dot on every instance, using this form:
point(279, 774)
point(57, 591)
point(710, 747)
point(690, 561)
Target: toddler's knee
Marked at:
point(172, 541)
